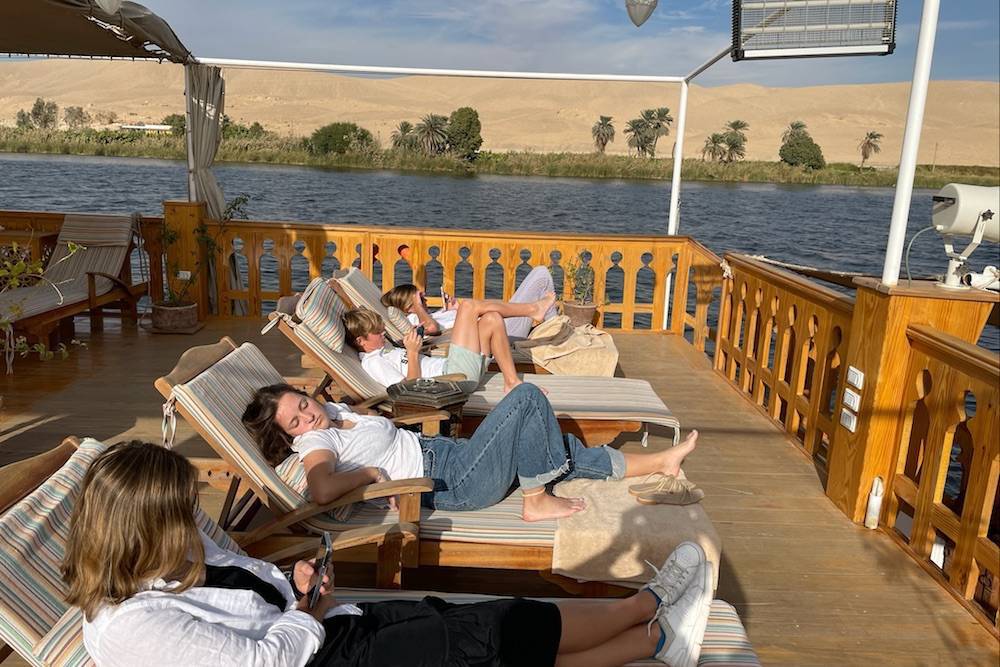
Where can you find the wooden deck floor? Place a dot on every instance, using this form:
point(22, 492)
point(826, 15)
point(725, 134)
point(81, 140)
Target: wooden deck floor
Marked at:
point(811, 587)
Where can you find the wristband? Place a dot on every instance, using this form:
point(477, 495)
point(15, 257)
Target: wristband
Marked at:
point(290, 576)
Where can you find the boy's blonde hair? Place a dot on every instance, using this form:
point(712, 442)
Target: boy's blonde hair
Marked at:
point(400, 296)
point(133, 522)
point(359, 323)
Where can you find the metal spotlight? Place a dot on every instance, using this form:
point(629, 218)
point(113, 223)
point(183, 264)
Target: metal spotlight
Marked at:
point(640, 10)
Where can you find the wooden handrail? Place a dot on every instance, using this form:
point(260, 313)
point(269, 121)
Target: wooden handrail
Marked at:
point(972, 360)
point(796, 284)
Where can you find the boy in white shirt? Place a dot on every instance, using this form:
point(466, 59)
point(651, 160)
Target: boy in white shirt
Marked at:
point(479, 332)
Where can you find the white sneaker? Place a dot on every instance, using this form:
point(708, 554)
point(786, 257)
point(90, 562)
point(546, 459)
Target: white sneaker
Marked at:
point(684, 623)
point(673, 578)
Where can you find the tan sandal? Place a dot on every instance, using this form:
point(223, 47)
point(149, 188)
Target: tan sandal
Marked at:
point(683, 496)
point(659, 481)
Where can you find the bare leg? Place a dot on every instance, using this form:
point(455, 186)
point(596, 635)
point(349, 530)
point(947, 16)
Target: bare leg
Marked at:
point(484, 333)
point(635, 643)
point(590, 623)
point(536, 285)
point(668, 461)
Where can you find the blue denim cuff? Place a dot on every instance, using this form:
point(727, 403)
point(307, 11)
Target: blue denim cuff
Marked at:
point(617, 463)
point(544, 478)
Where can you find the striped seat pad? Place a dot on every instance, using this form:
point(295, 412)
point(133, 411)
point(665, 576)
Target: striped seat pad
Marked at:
point(363, 293)
point(34, 618)
point(584, 397)
point(322, 311)
point(725, 643)
point(216, 399)
point(96, 230)
point(500, 524)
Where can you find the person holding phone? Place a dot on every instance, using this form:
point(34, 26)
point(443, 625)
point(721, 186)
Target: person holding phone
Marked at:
point(478, 333)
point(154, 590)
point(411, 300)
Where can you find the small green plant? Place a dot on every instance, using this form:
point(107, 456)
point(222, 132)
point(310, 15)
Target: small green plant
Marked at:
point(18, 270)
point(581, 277)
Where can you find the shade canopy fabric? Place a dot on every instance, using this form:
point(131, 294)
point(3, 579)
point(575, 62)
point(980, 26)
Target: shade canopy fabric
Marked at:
point(84, 28)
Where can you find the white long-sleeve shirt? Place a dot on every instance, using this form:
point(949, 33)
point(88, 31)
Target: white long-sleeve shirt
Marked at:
point(214, 627)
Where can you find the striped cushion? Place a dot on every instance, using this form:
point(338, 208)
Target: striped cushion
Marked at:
point(96, 230)
point(33, 537)
point(583, 397)
point(322, 311)
point(217, 398)
point(725, 643)
point(344, 366)
point(363, 293)
point(396, 319)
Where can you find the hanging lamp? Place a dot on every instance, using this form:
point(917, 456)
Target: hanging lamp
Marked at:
point(640, 10)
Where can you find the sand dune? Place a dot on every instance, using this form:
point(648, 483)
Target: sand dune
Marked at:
point(962, 122)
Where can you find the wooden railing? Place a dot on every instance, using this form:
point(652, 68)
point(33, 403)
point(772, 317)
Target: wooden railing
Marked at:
point(699, 282)
point(950, 422)
point(264, 260)
point(781, 341)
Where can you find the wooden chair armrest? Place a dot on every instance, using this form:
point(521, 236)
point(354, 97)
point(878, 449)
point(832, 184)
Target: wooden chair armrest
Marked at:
point(370, 403)
point(421, 418)
point(93, 275)
point(399, 487)
point(347, 539)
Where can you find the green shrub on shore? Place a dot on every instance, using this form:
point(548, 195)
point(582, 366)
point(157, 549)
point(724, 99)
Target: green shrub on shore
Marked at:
point(271, 148)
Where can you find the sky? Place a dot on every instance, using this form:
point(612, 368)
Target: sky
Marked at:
point(585, 36)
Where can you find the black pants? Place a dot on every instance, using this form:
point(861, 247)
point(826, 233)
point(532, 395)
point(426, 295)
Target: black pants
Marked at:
point(512, 632)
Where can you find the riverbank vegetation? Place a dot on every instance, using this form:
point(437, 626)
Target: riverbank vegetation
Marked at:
point(437, 143)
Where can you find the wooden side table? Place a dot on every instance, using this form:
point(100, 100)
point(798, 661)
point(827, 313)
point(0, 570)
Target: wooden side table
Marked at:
point(40, 244)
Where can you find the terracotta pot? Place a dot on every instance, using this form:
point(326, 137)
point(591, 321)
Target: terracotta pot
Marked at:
point(579, 314)
point(168, 317)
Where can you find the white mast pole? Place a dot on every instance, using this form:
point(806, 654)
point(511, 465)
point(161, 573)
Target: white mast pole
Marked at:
point(911, 142)
point(675, 181)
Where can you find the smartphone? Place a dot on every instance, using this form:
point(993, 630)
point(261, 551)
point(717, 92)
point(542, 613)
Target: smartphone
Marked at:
point(320, 566)
point(420, 330)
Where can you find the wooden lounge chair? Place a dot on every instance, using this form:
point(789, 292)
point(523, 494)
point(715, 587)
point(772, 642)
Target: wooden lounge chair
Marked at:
point(358, 291)
point(97, 274)
point(596, 409)
point(36, 498)
point(212, 385)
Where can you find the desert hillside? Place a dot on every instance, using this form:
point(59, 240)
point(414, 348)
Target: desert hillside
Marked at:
point(962, 123)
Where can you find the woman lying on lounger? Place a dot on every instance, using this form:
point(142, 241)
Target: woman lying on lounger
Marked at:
point(479, 332)
point(410, 299)
point(154, 590)
point(518, 442)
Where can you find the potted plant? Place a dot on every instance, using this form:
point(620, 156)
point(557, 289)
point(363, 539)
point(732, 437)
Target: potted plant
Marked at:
point(178, 312)
point(581, 309)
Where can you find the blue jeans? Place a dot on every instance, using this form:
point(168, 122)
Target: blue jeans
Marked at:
point(519, 442)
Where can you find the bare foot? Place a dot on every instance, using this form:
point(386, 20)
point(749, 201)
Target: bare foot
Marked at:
point(543, 506)
point(507, 386)
point(673, 457)
point(542, 306)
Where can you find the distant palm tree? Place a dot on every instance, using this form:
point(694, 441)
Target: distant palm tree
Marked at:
point(432, 133)
point(638, 133)
point(714, 148)
point(794, 128)
point(734, 146)
point(603, 133)
point(658, 121)
point(402, 136)
point(737, 127)
point(870, 146)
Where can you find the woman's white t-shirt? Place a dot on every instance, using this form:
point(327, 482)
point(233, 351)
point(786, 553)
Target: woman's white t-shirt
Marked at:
point(444, 318)
point(374, 441)
point(388, 365)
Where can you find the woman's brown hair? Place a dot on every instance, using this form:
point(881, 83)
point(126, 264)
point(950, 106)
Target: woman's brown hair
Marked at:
point(259, 419)
point(400, 296)
point(134, 522)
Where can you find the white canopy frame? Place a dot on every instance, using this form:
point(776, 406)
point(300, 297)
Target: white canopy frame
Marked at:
point(911, 138)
